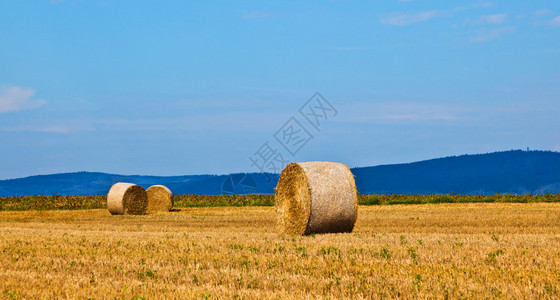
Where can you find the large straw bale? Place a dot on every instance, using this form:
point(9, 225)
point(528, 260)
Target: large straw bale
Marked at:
point(316, 197)
point(127, 199)
point(160, 199)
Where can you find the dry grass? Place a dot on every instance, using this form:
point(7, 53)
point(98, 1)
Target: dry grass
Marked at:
point(426, 251)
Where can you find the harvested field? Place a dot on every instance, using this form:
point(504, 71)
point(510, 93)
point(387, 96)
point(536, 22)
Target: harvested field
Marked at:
point(472, 250)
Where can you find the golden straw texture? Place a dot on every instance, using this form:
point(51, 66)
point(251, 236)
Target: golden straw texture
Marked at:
point(127, 199)
point(316, 197)
point(160, 199)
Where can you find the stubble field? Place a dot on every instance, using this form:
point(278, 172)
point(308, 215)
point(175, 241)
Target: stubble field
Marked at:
point(474, 250)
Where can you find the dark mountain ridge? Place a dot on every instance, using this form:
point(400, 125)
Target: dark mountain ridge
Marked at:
point(94, 183)
point(516, 171)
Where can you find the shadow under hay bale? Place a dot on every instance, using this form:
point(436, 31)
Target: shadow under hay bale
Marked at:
point(127, 199)
point(316, 197)
point(160, 199)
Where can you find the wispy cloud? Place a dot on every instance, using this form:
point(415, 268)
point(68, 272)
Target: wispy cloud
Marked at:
point(211, 121)
point(417, 117)
point(256, 15)
point(402, 18)
point(555, 21)
point(408, 112)
point(45, 129)
point(51, 125)
point(13, 98)
point(493, 19)
point(486, 35)
point(482, 4)
point(414, 112)
point(542, 12)
point(407, 18)
point(474, 6)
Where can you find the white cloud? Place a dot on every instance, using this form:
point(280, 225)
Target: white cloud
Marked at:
point(557, 148)
point(555, 21)
point(493, 19)
point(13, 98)
point(486, 35)
point(401, 18)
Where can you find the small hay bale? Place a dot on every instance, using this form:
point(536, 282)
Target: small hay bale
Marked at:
point(316, 197)
point(160, 199)
point(127, 199)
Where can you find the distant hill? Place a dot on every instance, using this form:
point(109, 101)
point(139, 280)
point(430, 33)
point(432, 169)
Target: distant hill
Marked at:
point(89, 183)
point(517, 171)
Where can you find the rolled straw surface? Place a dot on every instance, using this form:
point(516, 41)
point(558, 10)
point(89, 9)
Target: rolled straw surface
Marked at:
point(127, 199)
point(316, 197)
point(160, 199)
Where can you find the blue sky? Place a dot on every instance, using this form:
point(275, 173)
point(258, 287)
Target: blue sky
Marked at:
point(192, 87)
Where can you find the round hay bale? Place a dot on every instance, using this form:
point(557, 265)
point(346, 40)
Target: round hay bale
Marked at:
point(160, 199)
point(316, 197)
point(127, 199)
